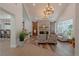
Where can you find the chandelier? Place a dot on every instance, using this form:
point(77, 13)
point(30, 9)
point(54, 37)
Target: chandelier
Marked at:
point(48, 10)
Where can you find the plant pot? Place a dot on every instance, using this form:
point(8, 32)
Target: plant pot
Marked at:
point(21, 44)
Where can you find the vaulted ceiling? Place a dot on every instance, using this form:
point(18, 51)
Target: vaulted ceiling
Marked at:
point(35, 11)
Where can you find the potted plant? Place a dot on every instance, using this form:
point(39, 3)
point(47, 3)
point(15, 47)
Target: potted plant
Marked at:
point(22, 36)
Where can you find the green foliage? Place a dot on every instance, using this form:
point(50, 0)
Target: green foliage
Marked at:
point(22, 36)
point(70, 31)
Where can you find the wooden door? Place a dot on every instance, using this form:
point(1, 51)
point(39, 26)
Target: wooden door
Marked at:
point(34, 28)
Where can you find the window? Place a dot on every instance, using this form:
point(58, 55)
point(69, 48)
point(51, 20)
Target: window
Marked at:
point(65, 28)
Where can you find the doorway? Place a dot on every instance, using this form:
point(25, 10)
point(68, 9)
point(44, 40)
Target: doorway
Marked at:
point(34, 28)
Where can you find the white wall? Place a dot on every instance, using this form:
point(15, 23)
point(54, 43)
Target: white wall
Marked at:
point(52, 26)
point(76, 22)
